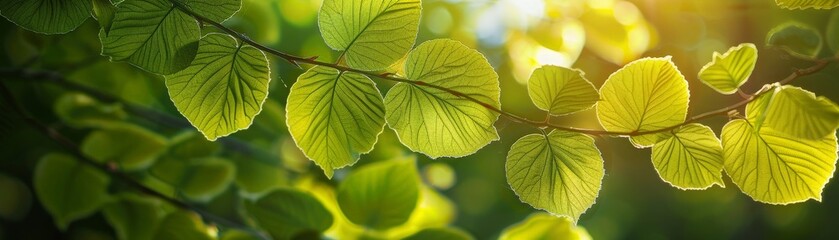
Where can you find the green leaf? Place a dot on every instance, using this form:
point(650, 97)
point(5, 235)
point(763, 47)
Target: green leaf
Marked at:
point(559, 172)
point(544, 226)
point(436, 122)
point(190, 144)
point(199, 179)
point(775, 168)
point(832, 33)
point(727, 72)
point(182, 225)
point(804, 4)
point(287, 213)
point(134, 217)
point(690, 158)
point(441, 233)
point(46, 16)
point(16, 200)
point(373, 34)
point(334, 116)
point(799, 113)
point(129, 146)
point(79, 110)
point(104, 12)
point(153, 35)
point(224, 88)
point(380, 195)
point(645, 95)
point(796, 39)
point(560, 90)
point(255, 177)
point(756, 109)
point(215, 10)
point(68, 189)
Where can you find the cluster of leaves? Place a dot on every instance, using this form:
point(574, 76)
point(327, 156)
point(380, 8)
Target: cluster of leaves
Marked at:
point(445, 104)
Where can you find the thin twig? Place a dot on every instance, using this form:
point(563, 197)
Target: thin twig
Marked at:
point(73, 148)
point(296, 60)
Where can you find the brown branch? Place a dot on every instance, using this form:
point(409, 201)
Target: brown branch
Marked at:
point(296, 60)
point(73, 148)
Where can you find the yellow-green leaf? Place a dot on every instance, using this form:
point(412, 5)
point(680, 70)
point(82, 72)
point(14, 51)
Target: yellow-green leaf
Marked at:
point(728, 71)
point(797, 39)
point(433, 121)
point(756, 109)
point(216, 10)
point(68, 189)
point(334, 117)
point(182, 225)
point(134, 217)
point(224, 88)
point(104, 12)
point(799, 113)
point(372, 33)
point(775, 168)
point(544, 226)
point(804, 4)
point(79, 110)
point(289, 214)
point(690, 158)
point(559, 172)
point(199, 179)
point(153, 35)
point(560, 90)
point(646, 94)
point(381, 195)
point(441, 233)
point(129, 146)
point(46, 16)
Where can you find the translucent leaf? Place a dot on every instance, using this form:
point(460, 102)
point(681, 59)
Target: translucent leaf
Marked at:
point(559, 172)
point(133, 217)
point(804, 4)
point(46, 16)
point(438, 123)
point(198, 179)
point(104, 12)
point(796, 39)
point(727, 72)
point(129, 146)
point(373, 33)
point(544, 226)
point(380, 195)
point(68, 189)
point(153, 35)
point(443, 233)
point(560, 90)
point(690, 158)
point(646, 94)
point(756, 109)
point(224, 88)
point(216, 10)
point(182, 225)
point(79, 110)
point(287, 214)
point(799, 113)
point(775, 168)
point(334, 117)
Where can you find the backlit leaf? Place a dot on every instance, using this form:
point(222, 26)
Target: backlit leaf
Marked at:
point(334, 116)
point(804, 4)
point(224, 87)
point(727, 72)
point(128, 146)
point(199, 179)
point(216, 10)
point(287, 213)
point(438, 123)
point(79, 110)
point(440, 234)
point(133, 217)
point(153, 35)
point(68, 189)
point(182, 225)
point(690, 158)
point(775, 168)
point(560, 90)
point(756, 109)
point(647, 94)
point(559, 172)
point(373, 33)
point(544, 226)
point(799, 113)
point(796, 39)
point(104, 12)
point(46, 16)
point(381, 195)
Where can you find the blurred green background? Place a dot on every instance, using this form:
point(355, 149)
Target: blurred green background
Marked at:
point(597, 36)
